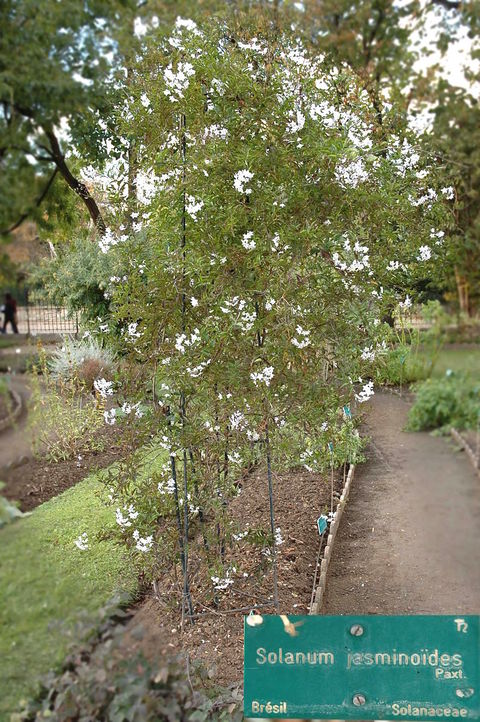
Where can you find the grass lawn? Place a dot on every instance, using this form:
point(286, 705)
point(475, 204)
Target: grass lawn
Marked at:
point(458, 359)
point(45, 582)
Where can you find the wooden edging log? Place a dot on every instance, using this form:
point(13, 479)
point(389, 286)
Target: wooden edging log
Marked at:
point(466, 447)
point(332, 533)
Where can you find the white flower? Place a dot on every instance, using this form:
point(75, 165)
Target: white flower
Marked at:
point(304, 340)
point(193, 207)
point(143, 544)
point(215, 131)
point(194, 301)
point(278, 536)
point(296, 123)
point(365, 393)
point(144, 99)
point(263, 377)
point(107, 241)
point(237, 420)
point(368, 354)
point(124, 520)
point(221, 584)
point(132, 331)
point(82, 542)
point(197, 371)
point(104, 388)
point(182, 340)
point(177, 82)
point(109, 416)
point(424, 253)
point(247, 241)
point(240, 179)
point(448, 192)
point(351, 173)
point(407, 303)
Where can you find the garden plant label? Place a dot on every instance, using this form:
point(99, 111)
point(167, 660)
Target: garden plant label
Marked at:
point(366, 667)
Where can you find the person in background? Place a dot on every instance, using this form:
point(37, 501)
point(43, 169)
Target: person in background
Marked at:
point(10, 313)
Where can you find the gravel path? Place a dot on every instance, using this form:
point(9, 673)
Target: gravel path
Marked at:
point(409, 540)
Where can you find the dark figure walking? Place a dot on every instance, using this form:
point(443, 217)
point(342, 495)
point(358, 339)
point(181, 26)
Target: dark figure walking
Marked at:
point(10, 313)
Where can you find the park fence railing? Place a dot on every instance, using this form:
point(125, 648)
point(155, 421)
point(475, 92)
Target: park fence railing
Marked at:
point(37, 316)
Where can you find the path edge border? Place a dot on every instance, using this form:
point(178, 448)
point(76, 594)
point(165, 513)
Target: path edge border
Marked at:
point(332, 533)
point(466, 447)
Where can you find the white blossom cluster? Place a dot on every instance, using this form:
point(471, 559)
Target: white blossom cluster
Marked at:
point(104, 387)
point(143, 544)
point(277, 247)
point(303, 341)
point(263, 377)
point(368, 354)
point(82, 542)
point(109, 239)
point(245, 319)
point(110, 416)
point(403, 157)
point(349, 173)
point(424, 253)
point(124, 520)
point(222, 584)
point(214, 131)
point(366, 393)
point(248, 242)
point(182, 341)
point(193, 207)
point(241, 179)
point(177, 81)
point(359, 255)
point(197, 371)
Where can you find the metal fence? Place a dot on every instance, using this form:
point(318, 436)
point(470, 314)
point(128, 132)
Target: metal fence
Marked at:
point(41, 318)
point(37, 316)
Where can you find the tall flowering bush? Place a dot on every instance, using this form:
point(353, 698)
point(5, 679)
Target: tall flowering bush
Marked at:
point(275, 219)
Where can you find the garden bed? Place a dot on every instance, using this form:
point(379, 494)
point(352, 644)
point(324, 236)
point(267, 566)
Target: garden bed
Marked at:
point(37, 480)
point(216, 638)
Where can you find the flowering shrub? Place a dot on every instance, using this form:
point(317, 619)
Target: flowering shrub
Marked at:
point(275, 216)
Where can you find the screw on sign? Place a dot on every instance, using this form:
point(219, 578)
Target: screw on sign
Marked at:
point(362, 668)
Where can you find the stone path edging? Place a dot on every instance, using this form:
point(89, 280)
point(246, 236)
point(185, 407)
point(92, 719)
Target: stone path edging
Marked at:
point(332, 533)
point(466, 447)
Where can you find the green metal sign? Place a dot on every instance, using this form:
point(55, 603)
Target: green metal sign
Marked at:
point(375, 667)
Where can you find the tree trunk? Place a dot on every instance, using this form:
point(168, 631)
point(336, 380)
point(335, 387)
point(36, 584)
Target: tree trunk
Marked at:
point(462, 291)
point(77, 186)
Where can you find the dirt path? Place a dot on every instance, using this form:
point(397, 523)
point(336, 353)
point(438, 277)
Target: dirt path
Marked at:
point(16, 440)
point(409, 540)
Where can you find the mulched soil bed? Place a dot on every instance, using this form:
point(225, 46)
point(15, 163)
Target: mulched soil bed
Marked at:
point(37, 480)
point(216, 638)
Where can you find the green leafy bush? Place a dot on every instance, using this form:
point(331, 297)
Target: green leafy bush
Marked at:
point(401, 365)
point(98, 683)
point(453, 400)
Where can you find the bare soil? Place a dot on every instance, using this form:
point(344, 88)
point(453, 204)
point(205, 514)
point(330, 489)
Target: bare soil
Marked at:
point(410, 536)
point(216, 637)
point(38, 480)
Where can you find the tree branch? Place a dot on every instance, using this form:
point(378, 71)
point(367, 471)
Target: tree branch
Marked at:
point(77, 186)
point(38, 202)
